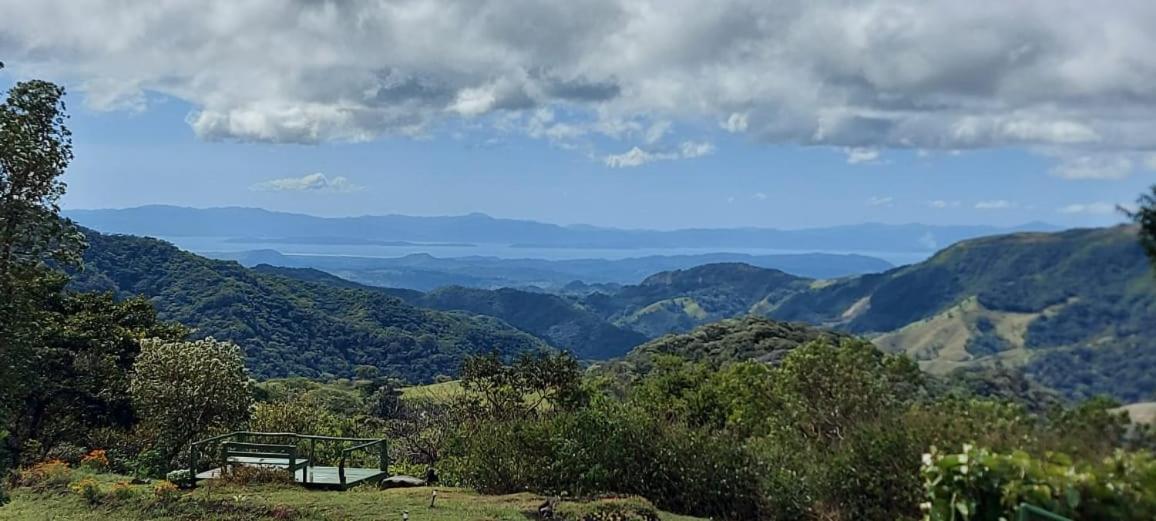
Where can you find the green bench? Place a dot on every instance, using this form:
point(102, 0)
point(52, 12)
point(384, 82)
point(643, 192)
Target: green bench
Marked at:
point(234, 453)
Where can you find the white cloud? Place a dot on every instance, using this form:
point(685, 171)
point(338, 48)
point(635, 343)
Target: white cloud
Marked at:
point(940, 203)
point(759, 196)
point(997, 204)
point(735, 123)
point(1096, 208)
point(1096, 166)
point(638, 157)
point(691, 149)
point(859, 155)
point(1066, 74)
point(880, 201)
point(316, 182)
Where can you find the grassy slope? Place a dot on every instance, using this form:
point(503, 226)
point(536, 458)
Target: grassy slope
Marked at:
point(261, 502)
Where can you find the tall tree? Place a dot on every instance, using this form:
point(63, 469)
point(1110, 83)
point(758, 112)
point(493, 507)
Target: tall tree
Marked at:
point(35, 149)
point(1145, 217)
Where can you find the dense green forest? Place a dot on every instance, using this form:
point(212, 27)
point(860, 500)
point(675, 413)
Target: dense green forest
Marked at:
point(288, 326)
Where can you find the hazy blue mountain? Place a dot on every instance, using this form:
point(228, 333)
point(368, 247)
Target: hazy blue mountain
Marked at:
point(425, 272)
point(170, 221)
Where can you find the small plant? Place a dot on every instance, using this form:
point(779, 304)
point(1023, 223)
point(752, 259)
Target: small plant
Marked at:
point(66, 452)
point(165, 490)
point(96, 461)
point(180, 476)
point(89, 489)
point(45, 475)
point(121, 491)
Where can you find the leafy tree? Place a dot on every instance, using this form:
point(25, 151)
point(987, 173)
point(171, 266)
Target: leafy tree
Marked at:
point(35, 149)
point(80, 379)
point(521, 389)
point(186, 390)
point(1145, 217)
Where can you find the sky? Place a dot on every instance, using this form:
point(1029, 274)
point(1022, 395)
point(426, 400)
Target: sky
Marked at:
point(628, 113)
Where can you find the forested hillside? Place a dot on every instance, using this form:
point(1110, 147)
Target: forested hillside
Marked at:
point(680, 300)
point(552, 318)
point(289, 326)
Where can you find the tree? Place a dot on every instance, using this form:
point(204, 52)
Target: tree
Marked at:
point(186, 390)
point(508, 391)
point(35, 149)
point(1145, 217)
point(80, 381)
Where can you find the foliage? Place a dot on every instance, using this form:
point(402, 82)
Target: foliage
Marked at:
point(288, 326)
point(520, 389)
point(1125, 371)
point(554, 319)
point(79, 385)
point(45, 475)
point(982, 485)
point(96, 460)
point(1145, 219)
point(88, 489)
point(186, 390)
point(35, 149)
point(179, 476)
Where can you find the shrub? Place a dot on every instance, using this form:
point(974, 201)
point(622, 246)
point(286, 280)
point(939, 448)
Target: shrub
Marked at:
point(980, 485)
point(96, 461)
point(89, 489)
point(66, 452)
point(45, 475)
point(121, 491)
point(180, 476)
point(165, 490)
point(611, 509)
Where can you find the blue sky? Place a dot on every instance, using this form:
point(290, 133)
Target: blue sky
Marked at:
point(153, 157)
point(622, 113)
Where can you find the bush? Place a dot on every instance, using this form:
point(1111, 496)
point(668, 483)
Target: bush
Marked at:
point(180, 476)
point(46, 475)
point(66, 452)
point(96, 461)
point(89, 489)
point(609, 509)
point(121, 491)
point(980, 485)
point(165, 491)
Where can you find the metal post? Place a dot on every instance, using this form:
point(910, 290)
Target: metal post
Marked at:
point(383, 456)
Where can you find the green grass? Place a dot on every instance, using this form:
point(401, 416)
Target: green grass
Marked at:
point(230, 502)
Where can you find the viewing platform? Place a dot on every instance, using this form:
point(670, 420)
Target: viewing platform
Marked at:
point(296, 453)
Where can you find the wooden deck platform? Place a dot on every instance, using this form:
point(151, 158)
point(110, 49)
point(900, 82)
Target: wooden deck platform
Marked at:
point(322, 477)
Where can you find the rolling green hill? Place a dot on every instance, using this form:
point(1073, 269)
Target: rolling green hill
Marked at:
point(1076, 309)
point(289, 326)
point(734, 339)
point(678, 301)
point(552, 318)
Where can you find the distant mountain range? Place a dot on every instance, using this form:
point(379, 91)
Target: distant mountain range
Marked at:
point(425, 272)
point(172, 221)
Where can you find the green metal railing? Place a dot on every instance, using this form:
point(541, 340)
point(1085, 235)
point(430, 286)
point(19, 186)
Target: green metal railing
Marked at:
point(240, 439)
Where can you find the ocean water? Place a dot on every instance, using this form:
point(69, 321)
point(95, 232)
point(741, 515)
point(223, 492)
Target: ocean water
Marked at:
point(206, 245)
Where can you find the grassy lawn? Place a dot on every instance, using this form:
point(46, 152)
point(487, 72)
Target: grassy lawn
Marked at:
point(230, 502)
